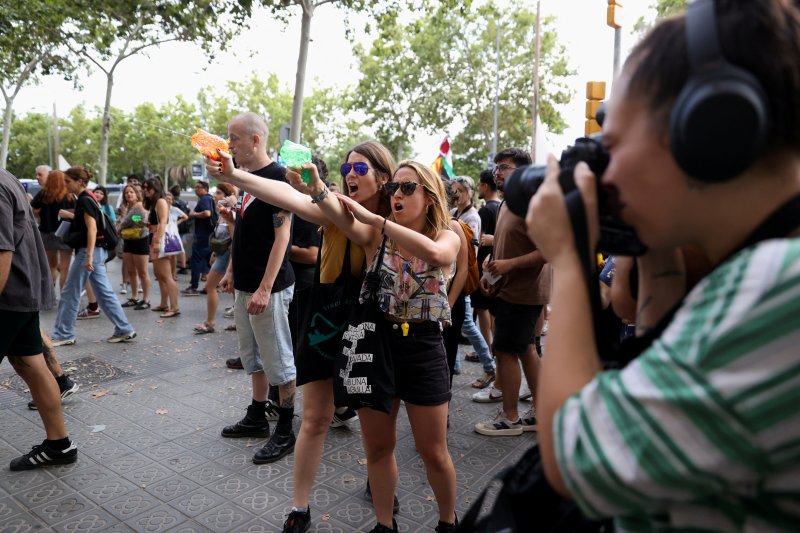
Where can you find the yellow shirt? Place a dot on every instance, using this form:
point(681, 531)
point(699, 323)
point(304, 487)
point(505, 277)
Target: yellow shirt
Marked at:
point(334, 243)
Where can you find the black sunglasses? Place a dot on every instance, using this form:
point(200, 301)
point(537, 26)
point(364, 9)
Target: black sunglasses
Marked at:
point(406, 187)
point(360, 168)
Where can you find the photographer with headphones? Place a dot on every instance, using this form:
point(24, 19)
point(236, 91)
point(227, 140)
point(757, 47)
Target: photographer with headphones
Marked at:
point(702, 430)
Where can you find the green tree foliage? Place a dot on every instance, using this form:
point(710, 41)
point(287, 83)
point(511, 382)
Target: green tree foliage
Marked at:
point(331, 128)
point(113, 30)
point(30, 147)
point(154, 139)
point(437, 74)
point(381, 10)
point(30, 39)
point(663, 8)
point(266, 97)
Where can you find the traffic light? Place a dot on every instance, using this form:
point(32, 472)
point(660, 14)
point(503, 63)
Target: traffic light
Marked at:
point(614, 15)
point(595, 93)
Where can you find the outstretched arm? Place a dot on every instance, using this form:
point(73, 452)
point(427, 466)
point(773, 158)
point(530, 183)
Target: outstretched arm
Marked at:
point(273, 192)
point(441, 251)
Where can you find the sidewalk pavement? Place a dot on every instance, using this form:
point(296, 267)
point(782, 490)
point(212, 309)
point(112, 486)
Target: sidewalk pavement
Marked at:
point(147, 423)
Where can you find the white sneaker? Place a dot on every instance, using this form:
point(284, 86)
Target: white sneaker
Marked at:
point(488, 395)
point(123, 288)
point(525, 392)
point(528, 420)
point(228, 312)
point(500, 426)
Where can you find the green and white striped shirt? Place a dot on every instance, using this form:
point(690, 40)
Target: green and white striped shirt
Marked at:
point(702, 431)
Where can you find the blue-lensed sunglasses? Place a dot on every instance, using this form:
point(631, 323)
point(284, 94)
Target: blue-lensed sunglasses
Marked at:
point(360, 168)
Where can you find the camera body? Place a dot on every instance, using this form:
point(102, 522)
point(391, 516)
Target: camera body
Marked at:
point(616, 237)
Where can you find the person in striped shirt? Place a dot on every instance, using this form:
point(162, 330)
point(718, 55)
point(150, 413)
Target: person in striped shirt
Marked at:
point(702, 431)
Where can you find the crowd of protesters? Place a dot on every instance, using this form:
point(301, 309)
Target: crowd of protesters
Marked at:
point(698, 432)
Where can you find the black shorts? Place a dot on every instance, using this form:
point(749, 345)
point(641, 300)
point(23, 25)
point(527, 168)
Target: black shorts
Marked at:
point(481, 301)
point(420, 364)
point(514, 326)
point(311, 365)
point(136, 246)
point(21, 334)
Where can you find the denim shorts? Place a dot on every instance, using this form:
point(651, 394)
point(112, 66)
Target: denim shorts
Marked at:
point(514, 326)
point(221, 262)
point(265, 342)
point(21, 333)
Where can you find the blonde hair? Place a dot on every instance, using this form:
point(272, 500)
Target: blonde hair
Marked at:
point(437, 217)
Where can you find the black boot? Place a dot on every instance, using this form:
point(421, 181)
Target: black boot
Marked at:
point(444, 527)
point(280, 445)
point(254, 424)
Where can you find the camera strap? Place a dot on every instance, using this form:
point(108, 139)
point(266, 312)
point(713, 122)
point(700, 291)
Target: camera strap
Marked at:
point(586, 254)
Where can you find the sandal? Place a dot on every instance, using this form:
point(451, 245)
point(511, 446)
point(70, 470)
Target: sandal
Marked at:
point(230, 327)
point(170, 313)
point(203, 328)
point(159, 309)
point(484, 381)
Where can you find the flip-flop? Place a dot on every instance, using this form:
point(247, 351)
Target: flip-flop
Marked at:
point(230, 327)
point(159, 309)
point(170, 314)
point(203, 328)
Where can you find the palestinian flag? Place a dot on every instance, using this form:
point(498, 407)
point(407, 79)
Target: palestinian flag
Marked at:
point(443, 165)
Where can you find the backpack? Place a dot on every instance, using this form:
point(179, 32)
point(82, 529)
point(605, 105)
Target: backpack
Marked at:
point(106, 232)
point(473, 280)
point(186, 225)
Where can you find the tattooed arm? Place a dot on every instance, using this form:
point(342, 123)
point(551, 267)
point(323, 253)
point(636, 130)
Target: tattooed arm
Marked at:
point(662, 284)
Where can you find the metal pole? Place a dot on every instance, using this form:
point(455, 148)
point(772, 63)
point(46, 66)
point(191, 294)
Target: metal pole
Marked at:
point(50, 145)
point(535, 120)
point(617, 46)
point(496, 85)
point(56, 140)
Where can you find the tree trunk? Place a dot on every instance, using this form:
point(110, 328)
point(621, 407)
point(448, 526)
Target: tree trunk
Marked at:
point(6, 131)
point(300, 78)
point(101, 179)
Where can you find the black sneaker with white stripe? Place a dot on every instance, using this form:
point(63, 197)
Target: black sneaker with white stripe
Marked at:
point(66, 387)
point(43, 455)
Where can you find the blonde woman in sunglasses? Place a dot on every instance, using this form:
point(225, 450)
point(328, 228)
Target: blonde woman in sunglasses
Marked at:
point(417, 263)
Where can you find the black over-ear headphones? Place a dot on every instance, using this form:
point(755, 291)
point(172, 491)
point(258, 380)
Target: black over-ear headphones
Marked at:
point(720, 120)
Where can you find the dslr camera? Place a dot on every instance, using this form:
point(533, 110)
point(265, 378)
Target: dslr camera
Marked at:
point(616, 237)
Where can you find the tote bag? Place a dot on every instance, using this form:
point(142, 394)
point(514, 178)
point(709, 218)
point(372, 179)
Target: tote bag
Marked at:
point(171, 241)
point(364, 374)
point(326, 318)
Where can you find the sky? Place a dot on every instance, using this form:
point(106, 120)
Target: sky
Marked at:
point(268, 46)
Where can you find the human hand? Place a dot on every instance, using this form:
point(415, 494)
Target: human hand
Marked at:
point(258, 302)
point(314, 185)
point(547, 220)
point(499, 267)
point(361, 213)
point(226, 214)
point(226, 283)
point(88, 265)
point(486, 239)
point(222, 169)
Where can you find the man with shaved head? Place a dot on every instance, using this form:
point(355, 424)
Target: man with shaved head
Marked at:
point(262, 280)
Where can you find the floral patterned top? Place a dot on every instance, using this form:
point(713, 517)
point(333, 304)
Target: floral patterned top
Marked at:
point(410, 289)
